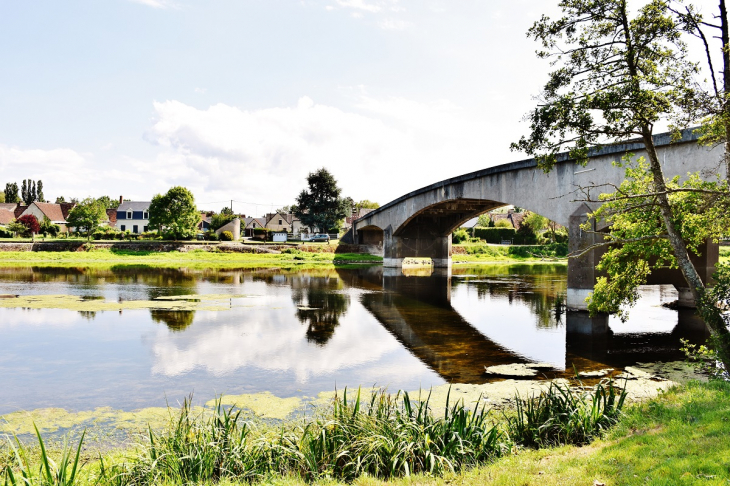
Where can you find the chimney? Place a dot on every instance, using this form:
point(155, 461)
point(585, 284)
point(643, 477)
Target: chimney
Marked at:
point(121, 199)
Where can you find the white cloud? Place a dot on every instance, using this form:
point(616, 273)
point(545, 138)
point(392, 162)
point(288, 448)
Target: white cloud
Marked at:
point(379, 150)
point(360, 5)
point(157, 3)
point(393, 24)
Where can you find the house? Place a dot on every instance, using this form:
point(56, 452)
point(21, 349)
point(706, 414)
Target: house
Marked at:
point(206, 217)
point(515, 219)
point(279, 222)
point(56, 213)
point(357, 214)
point(252, 223)
point(7, 213)
point(133, 216)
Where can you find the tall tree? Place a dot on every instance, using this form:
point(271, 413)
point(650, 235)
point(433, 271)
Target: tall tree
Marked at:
point(175, 213)
point(24, 192)
point(320, 205)
point(86, 216)
point(620, 70)
point(11, 193)
point(40, 197)
point(108, 202)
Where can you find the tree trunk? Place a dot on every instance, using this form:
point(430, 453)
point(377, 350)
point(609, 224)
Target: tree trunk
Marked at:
point(710, 314)
point(725, 103)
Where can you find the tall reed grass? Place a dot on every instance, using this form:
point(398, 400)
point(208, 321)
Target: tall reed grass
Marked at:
point(561, 416)
point(384, 436)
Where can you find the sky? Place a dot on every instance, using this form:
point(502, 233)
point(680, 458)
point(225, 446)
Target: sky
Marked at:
point(241, 99)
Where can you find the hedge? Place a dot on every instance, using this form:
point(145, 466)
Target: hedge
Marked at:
point(497, 235)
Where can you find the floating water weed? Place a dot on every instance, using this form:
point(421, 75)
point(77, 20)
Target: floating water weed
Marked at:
point(561, 416)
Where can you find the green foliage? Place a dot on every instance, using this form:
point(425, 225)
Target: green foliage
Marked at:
point(106, 201)
point(560, 416)
point(23, 471)
point(386, 436)
point(502, 223)
point(175, 212)
point(5, 233)
point(211, 235)
point(484, 221)
point(367, 204)
point(460, 235)
point(497, 235)
point(535, 222)
point(220, 220)
point(226, 236)
point(320, 206)
point(108, 233)
point(86, 216)
point(620, 69)
point(2, 197)
point(699, 212)
point(11, 193)
point(48, 228)
point(26, 225)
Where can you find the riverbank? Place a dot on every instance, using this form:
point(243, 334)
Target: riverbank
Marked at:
point(195, 258)
point(680, 436)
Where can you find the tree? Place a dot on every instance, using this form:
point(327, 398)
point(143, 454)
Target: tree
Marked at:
point(11, 193)
point(220, 220)
point(321, 206)
point(106, 201)
point(484, 221)
point(25, 226)
point(620, 71)
point(227, 210)
point(60, 199)
point(86, 216)
point(367, 204)
point(39, 196)
point(175, 213)
point(2, 197)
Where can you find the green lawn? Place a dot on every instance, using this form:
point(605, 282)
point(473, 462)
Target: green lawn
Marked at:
point(192, 259)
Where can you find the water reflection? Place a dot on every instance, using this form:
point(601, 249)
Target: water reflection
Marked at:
point(176, 321)
point(306, 331)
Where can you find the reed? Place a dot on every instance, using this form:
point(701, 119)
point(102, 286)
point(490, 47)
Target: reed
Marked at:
point(560, 416)
point(21, 471)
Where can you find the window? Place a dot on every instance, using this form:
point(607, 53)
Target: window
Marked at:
point(135, 229)
point(129, 214)
point(280, 223)
point(124, 228)
point(146, 229)
point(145, 215)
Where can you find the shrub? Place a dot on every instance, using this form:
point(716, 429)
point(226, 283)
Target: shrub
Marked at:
point(561, 416)
point(226, 236)
point(5, 234)
point(502, 223)
point(459, 236)
point(211, 235)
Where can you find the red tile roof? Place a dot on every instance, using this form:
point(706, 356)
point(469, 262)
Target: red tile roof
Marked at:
point(6, 216)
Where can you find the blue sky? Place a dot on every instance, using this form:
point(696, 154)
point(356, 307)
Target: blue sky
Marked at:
point(240, 99)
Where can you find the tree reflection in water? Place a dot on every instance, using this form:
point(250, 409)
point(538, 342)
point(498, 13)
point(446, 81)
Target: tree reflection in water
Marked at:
point(176, 320)
point(320, 304)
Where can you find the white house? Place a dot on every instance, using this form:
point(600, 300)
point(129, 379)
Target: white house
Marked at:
point(133, 216)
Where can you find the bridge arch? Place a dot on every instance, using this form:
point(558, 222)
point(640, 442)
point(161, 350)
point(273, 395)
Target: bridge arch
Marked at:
point(419, 224)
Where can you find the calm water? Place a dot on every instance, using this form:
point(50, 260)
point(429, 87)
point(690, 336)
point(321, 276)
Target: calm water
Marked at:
point(302, 332)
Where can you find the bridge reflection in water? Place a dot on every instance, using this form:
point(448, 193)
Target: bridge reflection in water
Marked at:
point(415, 306)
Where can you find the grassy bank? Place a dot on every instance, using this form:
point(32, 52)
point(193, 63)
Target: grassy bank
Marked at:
point(486, 253)
point(680, 437)
point(191, 259)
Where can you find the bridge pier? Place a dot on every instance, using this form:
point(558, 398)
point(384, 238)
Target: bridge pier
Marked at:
point(416, 245)
point(582, 273)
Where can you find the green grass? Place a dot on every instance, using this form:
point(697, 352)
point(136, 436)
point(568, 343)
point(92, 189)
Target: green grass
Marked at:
point(484, 252)
point(192, 259)
point(681, 437)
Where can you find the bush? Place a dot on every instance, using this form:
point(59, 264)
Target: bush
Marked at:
point(5, 233)
point(226, 236)
point(560, 416)
point(502, 223)
point(211, 235)
point(459, 236)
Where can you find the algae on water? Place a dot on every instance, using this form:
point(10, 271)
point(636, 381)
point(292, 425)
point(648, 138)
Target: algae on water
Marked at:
point(192, 302)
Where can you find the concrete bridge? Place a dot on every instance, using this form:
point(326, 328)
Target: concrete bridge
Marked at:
point(420, 223)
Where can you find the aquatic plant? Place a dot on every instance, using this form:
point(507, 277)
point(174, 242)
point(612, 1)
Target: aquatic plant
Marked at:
point(64, 473)
point(385, 437)
point(560, 416)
